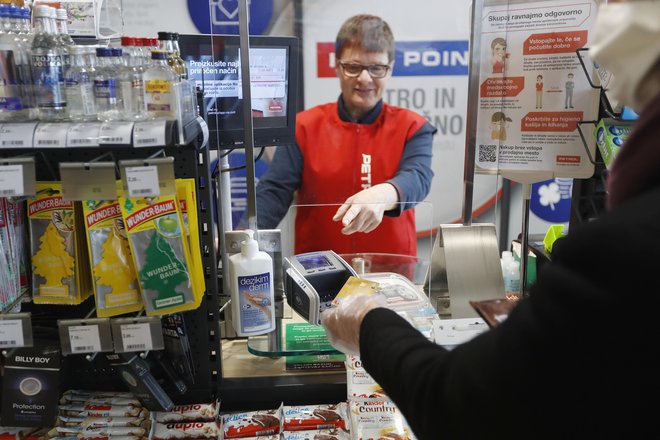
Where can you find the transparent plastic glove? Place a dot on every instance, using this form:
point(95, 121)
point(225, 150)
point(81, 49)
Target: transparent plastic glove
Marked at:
point(342, 323)
point(363, 211)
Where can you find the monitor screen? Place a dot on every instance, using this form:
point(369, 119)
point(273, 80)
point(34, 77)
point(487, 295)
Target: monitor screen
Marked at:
point(313, 261)
point(213, 63)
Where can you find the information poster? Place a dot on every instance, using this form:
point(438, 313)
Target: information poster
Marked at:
point(533, 90)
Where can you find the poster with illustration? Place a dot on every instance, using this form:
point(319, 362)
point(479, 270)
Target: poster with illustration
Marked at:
point(533, 90)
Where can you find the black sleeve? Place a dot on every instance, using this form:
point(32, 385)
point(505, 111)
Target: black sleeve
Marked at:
point(581, 340)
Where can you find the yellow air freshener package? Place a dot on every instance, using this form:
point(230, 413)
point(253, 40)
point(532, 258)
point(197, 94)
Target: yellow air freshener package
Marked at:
point(114, 278)
point(185, 193)
point(59, 269)
point(160, 253)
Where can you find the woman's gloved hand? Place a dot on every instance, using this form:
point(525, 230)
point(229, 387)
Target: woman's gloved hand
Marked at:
point(342, 323)
point(363, 211)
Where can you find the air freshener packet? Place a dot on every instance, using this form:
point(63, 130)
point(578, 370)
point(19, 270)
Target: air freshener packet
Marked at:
point(60, 268)
point(160, 253)
point(114, 278)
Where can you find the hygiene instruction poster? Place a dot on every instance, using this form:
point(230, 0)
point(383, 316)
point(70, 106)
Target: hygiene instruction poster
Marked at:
point(533, 90)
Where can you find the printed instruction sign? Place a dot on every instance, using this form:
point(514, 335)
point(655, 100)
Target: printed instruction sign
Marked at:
point(533, 90)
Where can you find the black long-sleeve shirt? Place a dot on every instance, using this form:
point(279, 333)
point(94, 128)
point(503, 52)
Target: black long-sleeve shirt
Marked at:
point(577, 359)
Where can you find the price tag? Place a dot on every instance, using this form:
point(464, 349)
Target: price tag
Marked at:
point(83, 135)
point(149, 134)
point(17, 135)
point(136, 337)
point(84, 338)
point(11, 180)
point(142, 181)
point(116, 133)
point(11, 333)
point(50, 135)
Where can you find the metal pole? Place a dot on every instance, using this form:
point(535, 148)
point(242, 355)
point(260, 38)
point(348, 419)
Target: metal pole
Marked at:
point(275, 337)
point(247, 113)
point(524, 240)
point(472, 110)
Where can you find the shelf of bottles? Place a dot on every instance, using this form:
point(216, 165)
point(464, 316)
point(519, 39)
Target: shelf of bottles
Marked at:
point(56, 93)
point(59, 99)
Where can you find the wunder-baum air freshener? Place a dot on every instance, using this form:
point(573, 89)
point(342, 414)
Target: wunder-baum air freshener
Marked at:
point(60, 268)
point(115, 280)
point(160, 253)
point(252, 295)
point(185, 194)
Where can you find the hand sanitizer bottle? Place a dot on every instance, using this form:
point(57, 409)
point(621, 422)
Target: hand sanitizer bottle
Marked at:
point(251, 285)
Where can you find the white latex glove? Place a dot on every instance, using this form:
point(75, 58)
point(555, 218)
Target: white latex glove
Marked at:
point(342, 323)
point(363, 211)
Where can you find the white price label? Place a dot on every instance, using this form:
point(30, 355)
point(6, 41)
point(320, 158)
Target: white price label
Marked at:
point(84, 338)
point(17, 135)
point(136, 337)
point(11, 333)
point(149, 134)
point(142, 181)
point(83, 135)
point(11, 180)
point(51, 135)
point(116, 133)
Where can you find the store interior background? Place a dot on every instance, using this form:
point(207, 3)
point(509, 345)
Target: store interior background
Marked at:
point(439, 20)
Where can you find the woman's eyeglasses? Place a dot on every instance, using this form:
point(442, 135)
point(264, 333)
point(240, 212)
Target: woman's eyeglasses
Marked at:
point(353, 70)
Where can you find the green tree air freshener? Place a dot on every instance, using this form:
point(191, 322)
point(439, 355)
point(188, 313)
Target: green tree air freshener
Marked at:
point(161, 253)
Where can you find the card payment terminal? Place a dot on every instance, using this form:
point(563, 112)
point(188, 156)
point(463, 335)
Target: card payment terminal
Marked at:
point(312, 280)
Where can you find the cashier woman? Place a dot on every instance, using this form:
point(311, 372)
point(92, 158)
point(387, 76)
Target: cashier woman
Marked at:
point(368, 161)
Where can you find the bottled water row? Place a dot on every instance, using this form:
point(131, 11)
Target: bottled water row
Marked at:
point(44, 75)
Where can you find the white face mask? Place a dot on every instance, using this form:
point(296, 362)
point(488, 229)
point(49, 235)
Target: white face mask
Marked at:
point(626, 42)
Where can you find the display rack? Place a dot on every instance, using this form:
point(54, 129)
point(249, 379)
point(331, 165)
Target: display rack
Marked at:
point(588, 198)
point(191, 160)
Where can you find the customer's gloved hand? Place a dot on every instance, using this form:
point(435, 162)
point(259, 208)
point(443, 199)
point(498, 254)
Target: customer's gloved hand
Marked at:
point(363, 211)
point(342, 323)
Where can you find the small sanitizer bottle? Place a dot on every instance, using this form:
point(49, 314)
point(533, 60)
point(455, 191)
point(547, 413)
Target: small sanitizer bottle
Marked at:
point(252, 293)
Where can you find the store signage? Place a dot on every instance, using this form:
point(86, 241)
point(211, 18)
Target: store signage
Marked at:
point(221, 16)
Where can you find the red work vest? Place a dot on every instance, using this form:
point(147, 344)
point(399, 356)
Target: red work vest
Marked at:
point(340, 159)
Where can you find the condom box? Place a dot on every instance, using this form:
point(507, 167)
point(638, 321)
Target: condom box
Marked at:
point(30, 387)
point(610, 136)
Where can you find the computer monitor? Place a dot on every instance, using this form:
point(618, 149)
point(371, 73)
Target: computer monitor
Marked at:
point(213, 63)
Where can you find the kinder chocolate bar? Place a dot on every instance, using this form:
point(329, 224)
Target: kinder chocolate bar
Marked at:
point(81, 431)
point(316, 434)
point(181, 413)
point(251, 424)
point(83, 410)
point(315, 417)
point(101, 422)
point(185, 430)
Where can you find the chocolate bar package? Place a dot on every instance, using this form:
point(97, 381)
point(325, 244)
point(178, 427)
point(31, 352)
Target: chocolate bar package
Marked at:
point(252, 423)
point(494, 311)
point(328, 416)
